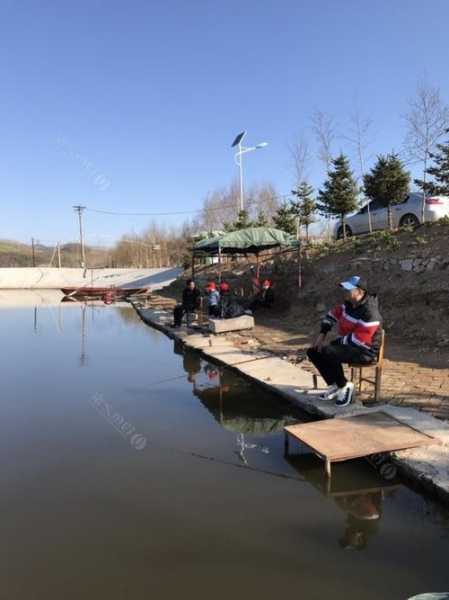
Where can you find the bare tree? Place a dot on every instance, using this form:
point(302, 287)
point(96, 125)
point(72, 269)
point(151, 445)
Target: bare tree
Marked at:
point(219, 207)
point(262, 199)
point(427, 120)
point(358, 135)
point(323, 127)
point(300, 157)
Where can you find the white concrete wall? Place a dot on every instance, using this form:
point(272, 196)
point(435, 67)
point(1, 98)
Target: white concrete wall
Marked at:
point(53, 278)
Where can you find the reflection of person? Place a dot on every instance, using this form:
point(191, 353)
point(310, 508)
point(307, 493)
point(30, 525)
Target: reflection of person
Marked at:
point(192, 365)
point(191, 299)
point(264, 298)
point(363, 517)
point(359, 328)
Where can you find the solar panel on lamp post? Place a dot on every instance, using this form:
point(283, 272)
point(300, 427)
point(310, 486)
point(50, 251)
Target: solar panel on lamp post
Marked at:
point(239, 160)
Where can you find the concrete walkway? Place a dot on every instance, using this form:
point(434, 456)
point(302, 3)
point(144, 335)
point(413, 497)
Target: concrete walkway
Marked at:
point(427, 466)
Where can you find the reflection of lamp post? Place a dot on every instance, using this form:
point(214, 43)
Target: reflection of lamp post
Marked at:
point(239, 158)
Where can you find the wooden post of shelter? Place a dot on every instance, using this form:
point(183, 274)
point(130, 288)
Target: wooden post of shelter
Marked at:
point(298, 240)
point(193, 265)
point(219, 263)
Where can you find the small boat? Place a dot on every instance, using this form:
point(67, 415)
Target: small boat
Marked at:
point(114, 293)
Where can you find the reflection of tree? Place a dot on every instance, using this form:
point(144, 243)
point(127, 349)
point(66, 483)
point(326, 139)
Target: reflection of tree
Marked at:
point(234, 403)
point(127, 314)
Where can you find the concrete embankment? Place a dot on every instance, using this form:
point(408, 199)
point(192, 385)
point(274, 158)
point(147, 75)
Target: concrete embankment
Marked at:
point(427, 466)
point(53, 278)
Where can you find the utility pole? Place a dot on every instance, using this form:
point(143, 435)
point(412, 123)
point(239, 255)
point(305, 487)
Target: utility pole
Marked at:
point(33, 251)
point(79, 209)
point(59, 255)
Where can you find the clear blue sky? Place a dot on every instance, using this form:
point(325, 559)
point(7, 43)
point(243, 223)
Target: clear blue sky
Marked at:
point(133, 105)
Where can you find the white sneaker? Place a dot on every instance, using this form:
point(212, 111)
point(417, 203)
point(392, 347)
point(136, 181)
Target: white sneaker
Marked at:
point(344, 395)
point(330, 393)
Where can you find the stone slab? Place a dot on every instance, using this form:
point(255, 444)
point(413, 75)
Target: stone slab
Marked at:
point(235, 324)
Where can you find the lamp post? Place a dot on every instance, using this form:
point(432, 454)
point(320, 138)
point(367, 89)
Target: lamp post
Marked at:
point(238, 157)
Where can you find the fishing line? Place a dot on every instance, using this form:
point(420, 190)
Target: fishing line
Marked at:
point(228, 463)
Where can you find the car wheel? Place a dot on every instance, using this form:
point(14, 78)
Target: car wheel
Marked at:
point(340, 232)
point(409, 220)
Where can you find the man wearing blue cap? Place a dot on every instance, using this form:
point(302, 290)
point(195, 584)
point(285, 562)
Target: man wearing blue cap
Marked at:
point(359, 325)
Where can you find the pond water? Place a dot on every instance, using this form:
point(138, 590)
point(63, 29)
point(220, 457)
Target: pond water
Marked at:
point(133, 470)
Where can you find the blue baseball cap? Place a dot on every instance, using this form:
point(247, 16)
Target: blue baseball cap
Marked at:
point(353, 283)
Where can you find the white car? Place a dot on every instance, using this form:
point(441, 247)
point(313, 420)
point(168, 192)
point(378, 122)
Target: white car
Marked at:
point(407, 212)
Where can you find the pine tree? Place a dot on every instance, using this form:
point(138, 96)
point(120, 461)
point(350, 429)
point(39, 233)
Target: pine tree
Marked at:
point(242, 222)
point(304, 206)
point(339, 195)
point(285, 218)
point(439, 171)
point(261, 220)
point(387, 183)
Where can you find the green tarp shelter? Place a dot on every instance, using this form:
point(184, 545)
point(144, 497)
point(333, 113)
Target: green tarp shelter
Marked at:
point(244, 241)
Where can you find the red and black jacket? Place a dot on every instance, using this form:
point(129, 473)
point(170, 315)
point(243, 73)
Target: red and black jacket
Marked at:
point(359, 326)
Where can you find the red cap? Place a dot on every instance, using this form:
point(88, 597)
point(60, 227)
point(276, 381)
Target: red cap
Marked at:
point(211, 285)
point(224, 287)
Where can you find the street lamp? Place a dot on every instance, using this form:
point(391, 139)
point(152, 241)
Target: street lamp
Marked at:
point(238, 157)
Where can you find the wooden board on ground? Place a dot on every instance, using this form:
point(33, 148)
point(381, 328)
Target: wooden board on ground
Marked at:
point(355, 437)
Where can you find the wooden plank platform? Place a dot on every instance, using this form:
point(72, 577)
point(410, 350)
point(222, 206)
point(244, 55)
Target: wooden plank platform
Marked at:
point(336, 440)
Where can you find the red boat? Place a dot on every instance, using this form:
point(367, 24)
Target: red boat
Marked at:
point(111, 293)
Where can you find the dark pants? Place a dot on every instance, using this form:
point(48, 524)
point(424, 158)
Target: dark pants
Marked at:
point(214, 311)
point(179, 312)
point(331, 359)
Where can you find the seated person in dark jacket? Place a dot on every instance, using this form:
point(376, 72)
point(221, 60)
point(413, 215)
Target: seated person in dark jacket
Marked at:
point(229, 306)
point(191, 299)
point(264, 298)
point(360, 333)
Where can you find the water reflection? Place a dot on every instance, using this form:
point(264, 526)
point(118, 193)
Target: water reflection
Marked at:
point(356, 489)
point(235, 404)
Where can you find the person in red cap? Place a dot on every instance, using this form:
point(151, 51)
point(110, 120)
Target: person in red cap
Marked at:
point(213, 300)
point(265, 298)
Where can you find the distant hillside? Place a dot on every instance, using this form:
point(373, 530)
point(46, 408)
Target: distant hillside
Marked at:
point(17, 254)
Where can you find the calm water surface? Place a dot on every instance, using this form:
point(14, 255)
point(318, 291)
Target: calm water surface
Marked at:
point(132, 470)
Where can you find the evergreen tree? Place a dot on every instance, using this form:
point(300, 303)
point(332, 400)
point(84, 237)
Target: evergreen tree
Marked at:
point(242, 222)
point(304, 206)
point(388, 182)
point(261, 220)
point(285, 218)
point(339, 194)
point(439, 171)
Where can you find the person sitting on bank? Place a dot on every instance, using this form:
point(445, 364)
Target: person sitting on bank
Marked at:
point(360, 333)
point(229, 305)
point(213, 300)
point(191, 300)
point(264, 298)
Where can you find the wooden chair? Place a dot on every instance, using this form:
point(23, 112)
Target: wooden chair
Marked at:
point(378, 366)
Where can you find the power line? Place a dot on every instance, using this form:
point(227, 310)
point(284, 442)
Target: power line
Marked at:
point(167, 214)
point(142, 214)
